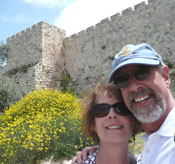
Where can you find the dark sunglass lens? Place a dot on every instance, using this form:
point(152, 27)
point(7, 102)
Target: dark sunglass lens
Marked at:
point(142, 73)
point(121, 109)
point(121, 81)
point(100, 114)
point(101, 110)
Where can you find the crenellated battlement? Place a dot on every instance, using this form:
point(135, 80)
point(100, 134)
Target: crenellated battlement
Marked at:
point(31, 29)
point(23, 32)
point(140, 5)
point(116, 17)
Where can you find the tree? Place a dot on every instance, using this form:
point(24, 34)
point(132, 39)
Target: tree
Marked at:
point(4, 50)
point(10, 92)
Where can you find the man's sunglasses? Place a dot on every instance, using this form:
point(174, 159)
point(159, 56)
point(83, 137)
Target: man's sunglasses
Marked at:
point(102, 110)
point(140, 73)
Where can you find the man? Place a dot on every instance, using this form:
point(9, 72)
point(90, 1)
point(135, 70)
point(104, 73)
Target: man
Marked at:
point(144, 81)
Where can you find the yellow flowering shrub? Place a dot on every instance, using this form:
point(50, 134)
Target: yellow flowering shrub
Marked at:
point(43, 123)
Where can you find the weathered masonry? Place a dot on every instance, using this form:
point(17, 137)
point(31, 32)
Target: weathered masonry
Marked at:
point(40, 54)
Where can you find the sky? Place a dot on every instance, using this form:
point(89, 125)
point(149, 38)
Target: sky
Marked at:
point(70, 15)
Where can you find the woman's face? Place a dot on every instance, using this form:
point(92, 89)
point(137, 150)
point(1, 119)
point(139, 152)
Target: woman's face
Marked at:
point(112, 128)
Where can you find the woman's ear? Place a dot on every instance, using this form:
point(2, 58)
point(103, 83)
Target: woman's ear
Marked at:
point(95, 129)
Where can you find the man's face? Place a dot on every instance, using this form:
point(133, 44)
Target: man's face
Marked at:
point(145, 98)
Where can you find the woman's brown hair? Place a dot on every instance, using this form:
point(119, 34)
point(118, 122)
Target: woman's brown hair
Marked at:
point(88, 120)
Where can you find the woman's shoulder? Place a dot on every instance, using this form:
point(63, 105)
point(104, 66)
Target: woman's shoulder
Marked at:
point(138, 158)
point(135, 158)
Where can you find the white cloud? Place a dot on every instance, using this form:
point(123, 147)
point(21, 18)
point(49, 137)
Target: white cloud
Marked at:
point(18, 18)
point(4, 18)
point(82, 14)
point(48, 3)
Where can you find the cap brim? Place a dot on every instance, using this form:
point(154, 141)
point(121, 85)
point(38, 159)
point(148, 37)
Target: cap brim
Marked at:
point(138, 61)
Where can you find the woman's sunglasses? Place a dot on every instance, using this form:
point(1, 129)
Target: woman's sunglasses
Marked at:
point(102, 110)
point(140, 73)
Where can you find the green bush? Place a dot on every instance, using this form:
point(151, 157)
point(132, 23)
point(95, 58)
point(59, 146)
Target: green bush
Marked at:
point(10, 92)
point(65, 84)
point(44, 123)
point(137, 145)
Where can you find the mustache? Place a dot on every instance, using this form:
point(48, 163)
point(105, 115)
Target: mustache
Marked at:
point(140, 92)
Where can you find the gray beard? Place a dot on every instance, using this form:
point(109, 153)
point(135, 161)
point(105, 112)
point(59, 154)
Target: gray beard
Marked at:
point(153, 112)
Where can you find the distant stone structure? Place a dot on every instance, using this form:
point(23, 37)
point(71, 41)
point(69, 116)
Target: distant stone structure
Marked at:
point(40, 54)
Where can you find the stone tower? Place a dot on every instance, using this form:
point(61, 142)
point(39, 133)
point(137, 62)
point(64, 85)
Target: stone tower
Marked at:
point(36, 57)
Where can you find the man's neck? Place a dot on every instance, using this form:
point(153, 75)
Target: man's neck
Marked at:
point(150, 128)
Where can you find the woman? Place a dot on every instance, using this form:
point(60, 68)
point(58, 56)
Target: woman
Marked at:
point(107, 120)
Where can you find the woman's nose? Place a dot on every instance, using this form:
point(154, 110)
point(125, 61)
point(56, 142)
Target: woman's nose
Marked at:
point(112, 114)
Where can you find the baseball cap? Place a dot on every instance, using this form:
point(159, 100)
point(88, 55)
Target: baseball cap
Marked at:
point(142, 54)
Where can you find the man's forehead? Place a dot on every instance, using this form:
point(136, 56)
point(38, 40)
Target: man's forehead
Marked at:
point(128, 67)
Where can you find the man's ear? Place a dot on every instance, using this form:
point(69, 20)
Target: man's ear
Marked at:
point(166, 75)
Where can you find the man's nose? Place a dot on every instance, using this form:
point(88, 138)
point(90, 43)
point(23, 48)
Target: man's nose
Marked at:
point(134, 84)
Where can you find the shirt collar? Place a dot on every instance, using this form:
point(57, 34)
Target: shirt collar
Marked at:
point(167, 129)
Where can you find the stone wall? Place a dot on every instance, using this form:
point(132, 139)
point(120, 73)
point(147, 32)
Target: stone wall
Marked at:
point(87, 56)
point(92, 51)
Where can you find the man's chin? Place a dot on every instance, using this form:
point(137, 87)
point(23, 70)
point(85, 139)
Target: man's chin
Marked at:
point(147, 118)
